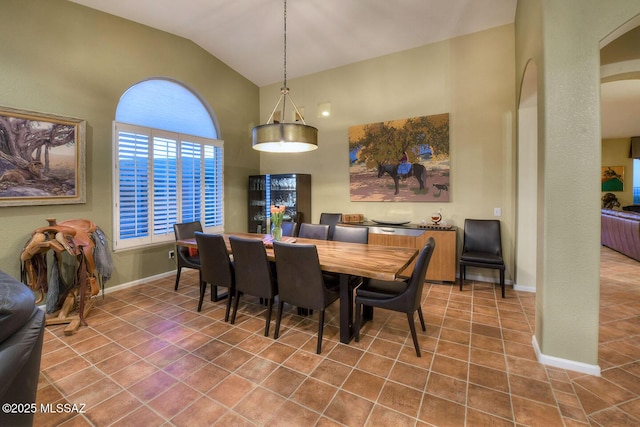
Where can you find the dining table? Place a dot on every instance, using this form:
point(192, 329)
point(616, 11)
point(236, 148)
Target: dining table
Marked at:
point(342, 258)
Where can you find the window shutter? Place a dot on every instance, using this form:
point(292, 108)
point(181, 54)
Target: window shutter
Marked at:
point(132, 185)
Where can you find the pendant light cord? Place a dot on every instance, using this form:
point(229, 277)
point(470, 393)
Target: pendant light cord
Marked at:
point(285, 44)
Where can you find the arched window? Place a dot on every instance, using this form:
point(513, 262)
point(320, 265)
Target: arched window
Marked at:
point(168, 164)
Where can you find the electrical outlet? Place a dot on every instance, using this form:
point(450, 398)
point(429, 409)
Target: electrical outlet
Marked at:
point(172, 254)
point(497, 211)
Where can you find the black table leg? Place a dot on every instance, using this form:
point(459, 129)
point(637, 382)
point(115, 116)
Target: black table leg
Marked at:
point(346, 310)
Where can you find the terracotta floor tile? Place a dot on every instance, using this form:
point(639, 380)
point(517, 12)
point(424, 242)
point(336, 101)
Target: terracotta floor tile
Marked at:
point(257, 369)
point(233, 359)
point(409, 375)
point(488, 377)
point(447, 388)
point(528, 412)
point(152, 386)
point(292, 414)
point(364, 384)
point(451, 367)
point(375, 364)
point(113, 408)
point(441, 412)
point(283, 381)
point(206, 378)
point(349, 409)
point(277, 352)
point(532, 389)
point(331, 372)
point(133, 373)
point(174, 400)
point(203, 412)
point(401, 398)
point(259, 405)
point(314, 394)
point(382, 416)
point(231, 390)
point(490, 401)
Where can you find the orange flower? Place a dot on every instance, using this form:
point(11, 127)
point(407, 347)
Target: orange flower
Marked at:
point(277, 214)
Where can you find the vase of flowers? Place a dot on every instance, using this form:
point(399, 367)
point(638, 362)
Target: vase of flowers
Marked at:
point(277, 213)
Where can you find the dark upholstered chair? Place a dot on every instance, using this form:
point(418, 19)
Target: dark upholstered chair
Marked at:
point(254, 274)
point(314, 231)
point(404, 296)
point(330, 219)
point(346, 233)
point(482, 247)
point(302, 284)
point(216, 268)
point(21, 335)
point(186, 230)
point(289, 229)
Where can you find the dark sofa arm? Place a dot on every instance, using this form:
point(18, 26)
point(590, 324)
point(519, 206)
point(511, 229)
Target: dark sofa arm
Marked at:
point(20, 353)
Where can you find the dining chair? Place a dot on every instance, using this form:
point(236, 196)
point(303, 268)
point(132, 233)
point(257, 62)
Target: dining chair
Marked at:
point(216, 268)
point(302, 284)
point(185, 259)
point(314, 231)
point(346, 233)
point(289, 229)
point(403, 296)
point(330, 219)
point(352, 234)
point(254, 274)
point(482, 247)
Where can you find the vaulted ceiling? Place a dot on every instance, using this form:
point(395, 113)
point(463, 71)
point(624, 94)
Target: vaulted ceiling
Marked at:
point(247, 35)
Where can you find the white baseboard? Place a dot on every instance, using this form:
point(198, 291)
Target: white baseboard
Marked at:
point(531, 289)
point(138, 282)
point(570, 365)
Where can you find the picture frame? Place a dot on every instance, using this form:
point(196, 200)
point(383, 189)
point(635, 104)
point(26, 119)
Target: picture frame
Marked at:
point(612, 178)
point(42, 158)
point(403, 160)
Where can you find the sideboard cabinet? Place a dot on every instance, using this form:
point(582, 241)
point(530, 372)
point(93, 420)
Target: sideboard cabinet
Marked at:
point(442, 266)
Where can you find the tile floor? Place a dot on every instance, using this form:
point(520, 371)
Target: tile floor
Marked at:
point(149, 359)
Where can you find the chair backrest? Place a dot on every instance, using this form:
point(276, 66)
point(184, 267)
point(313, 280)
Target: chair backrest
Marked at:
point(300, 281)
point(252, 267)
point(216, 267)
point(289, 229)
point(314, 231)
point(186, 230)
point(346, 233)
point(482, 235)
point(331, 219)
point(416, 281)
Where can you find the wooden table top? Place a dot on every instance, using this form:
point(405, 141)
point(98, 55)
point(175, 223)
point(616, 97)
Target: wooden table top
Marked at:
point(357, 259)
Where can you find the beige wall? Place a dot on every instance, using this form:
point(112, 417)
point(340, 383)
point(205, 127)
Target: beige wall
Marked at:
point(471, 78)
point(615, 152)
point(563, 38)
point(59, 57)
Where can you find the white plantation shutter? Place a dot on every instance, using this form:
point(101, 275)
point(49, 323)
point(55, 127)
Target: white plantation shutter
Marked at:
point(176, 178)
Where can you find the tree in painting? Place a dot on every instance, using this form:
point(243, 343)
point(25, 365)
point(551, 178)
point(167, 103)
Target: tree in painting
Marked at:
point(37, 158)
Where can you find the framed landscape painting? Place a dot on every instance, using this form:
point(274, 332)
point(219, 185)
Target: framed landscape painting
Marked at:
point(42, 158)
point(403, 160)
point(613, 178)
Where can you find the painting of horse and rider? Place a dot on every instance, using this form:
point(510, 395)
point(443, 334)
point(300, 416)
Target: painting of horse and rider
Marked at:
point(400, 160)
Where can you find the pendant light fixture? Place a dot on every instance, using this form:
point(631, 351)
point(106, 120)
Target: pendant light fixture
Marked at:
point(276, 137)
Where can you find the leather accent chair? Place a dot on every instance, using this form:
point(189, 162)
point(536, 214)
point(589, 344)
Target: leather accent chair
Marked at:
point(254, 274)
point(216, 268)
point(302, 284)
point(21, 335)
point(314, 231)
point(331, 219)
point(403, 296)
point(186, 230)
point(482, 247)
